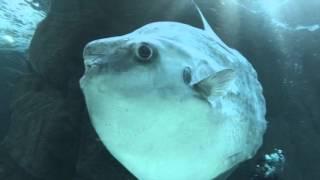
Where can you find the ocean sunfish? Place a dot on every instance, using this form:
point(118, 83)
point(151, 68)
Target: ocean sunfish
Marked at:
point(173, 102)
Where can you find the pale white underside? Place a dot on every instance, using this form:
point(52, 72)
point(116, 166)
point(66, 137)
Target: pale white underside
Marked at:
point(159, 138)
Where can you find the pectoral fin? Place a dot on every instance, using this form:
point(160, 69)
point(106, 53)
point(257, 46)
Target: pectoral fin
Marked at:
point(216, 84)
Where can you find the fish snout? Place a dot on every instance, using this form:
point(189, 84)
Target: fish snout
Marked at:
point(94, 52)
point(108, 53)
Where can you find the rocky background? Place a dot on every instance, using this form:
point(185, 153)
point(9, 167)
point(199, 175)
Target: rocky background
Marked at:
point(48, 134)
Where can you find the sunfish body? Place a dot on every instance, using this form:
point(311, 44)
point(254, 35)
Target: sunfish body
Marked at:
point(173, 102)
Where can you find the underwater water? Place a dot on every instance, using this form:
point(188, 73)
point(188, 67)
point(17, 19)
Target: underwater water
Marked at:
point(44, 125)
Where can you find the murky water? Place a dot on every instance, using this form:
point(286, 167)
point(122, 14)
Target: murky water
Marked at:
point(44, 126)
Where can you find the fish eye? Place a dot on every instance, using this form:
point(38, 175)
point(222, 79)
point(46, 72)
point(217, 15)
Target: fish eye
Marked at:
point(144, 52)
point(186, 75)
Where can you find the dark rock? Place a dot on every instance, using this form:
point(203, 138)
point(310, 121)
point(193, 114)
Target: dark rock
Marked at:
point(11, 66)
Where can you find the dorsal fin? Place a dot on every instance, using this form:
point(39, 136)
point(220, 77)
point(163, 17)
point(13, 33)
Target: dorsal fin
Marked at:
point(205, 24)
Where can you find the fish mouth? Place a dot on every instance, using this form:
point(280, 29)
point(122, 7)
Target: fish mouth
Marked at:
point(94, 60)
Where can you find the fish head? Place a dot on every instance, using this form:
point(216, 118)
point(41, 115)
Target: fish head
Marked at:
point(136, 65)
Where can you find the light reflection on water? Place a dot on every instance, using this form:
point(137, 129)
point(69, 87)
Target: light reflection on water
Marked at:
point(18, 22)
